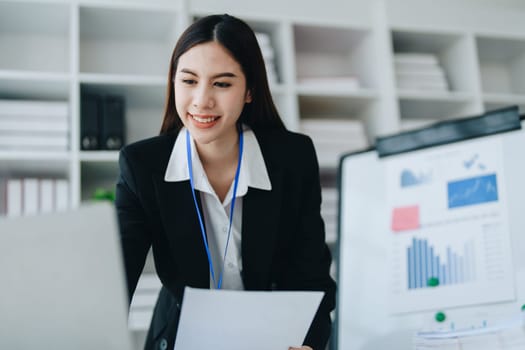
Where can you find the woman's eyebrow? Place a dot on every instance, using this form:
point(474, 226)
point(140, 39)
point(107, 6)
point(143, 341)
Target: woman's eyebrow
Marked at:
point(219, 75)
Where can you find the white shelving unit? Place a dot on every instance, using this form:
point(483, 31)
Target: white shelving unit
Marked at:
point(58, 49)
point(502, 69)
point(454, 54)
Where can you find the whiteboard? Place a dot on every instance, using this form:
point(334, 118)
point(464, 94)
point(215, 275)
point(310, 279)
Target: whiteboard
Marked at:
point(381, 224)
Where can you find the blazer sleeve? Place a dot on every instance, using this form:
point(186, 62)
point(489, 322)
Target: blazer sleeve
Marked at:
point(134, 231)
point(311, 258)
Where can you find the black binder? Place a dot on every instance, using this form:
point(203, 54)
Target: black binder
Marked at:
point(112, 123)
point(90, 122)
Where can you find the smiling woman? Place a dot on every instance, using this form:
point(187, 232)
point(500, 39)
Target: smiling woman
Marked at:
point(210, 93)
point(225, 195)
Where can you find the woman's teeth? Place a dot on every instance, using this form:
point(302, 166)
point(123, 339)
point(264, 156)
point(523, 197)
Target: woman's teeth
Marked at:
point(204, 119)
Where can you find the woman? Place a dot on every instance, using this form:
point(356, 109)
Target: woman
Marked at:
point(225, 196)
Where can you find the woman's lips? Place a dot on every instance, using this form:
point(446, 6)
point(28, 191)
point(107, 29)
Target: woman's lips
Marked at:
point(204, 121)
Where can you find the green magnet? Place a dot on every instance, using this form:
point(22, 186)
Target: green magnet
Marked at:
point(440, 316)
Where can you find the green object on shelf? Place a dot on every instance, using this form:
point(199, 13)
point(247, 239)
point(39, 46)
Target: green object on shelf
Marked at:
point(523, 307)
point(102, 194)
point(433, 282)
point(440, 316)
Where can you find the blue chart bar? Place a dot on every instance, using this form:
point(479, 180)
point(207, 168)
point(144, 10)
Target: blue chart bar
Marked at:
point(423, 264)
point(476, 190)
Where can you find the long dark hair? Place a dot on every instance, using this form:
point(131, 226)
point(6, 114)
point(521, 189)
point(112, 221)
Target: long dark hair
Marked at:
point(238, 38)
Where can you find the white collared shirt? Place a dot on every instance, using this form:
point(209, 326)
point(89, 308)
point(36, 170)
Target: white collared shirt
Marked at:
point(216, 215)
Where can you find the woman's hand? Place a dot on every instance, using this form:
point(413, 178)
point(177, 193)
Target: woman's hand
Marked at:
point(304, 347)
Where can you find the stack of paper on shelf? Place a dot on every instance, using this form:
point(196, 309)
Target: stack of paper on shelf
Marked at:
point(30, 196)
point(268, 53)
point(341, 83)
point(143, 302)
point(334, 137)
point(505, 335)
point(419, 71)
point(30, 125)
point(329, 213)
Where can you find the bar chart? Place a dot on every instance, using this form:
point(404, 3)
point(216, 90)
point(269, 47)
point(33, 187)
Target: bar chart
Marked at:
point(428, 269)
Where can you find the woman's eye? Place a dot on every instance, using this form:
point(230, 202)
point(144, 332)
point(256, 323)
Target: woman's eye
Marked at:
point(189, 81)
point(222, 84)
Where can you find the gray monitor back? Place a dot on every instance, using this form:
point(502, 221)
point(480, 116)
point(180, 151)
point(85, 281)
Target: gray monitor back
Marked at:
point(62, 282)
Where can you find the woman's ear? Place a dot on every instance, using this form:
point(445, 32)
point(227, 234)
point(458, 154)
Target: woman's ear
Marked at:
point(248, 97)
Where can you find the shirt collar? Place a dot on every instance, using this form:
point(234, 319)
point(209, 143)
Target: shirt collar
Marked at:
point(253, 169)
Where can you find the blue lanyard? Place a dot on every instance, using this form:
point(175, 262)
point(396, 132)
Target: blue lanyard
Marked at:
point(203, 231)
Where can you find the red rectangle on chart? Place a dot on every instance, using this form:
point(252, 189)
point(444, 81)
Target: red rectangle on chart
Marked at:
point(405, 218)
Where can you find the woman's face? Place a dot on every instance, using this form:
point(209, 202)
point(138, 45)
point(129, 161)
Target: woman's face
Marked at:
point(210, 93)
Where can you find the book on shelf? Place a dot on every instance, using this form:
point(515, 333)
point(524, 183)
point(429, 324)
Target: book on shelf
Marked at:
point(13, 198)
point(334, 137)
point(31, 195)
point(423, 85)
point(61, 195)
point(35, 142)
point(268, 53)
point(37, 108)
point(46, 195)
point(415, 59)
point(34, 125)
point(419, 71)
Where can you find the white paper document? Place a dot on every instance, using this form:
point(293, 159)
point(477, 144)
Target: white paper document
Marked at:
point(231, 320)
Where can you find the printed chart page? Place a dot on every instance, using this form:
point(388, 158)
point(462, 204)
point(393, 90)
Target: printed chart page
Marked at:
point(449, 227)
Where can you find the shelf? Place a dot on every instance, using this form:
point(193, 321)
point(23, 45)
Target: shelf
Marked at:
point(502, 65)
point(31, 30)
point(494, 101)
point(126, 40)
point(324, 52)
point(99, 156)
point(34, 163)
point(143, 106)
point(506, 99)
point(34, 85)
point(139, 92)
point(358, 94)
point(96, 175)
point(453, 53)
point(337, 107)
point(451, 97)
point(24, 156)
point(276, 89)
point(436, 109)
point(273, 52)
point(123, 79)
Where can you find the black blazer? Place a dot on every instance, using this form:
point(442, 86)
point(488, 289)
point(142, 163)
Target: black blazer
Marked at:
point(283, 238)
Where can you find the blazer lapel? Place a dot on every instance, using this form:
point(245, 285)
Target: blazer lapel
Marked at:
point(181, 226)
point(260, 224)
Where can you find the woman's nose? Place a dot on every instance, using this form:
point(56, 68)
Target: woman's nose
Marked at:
point(203, 98)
